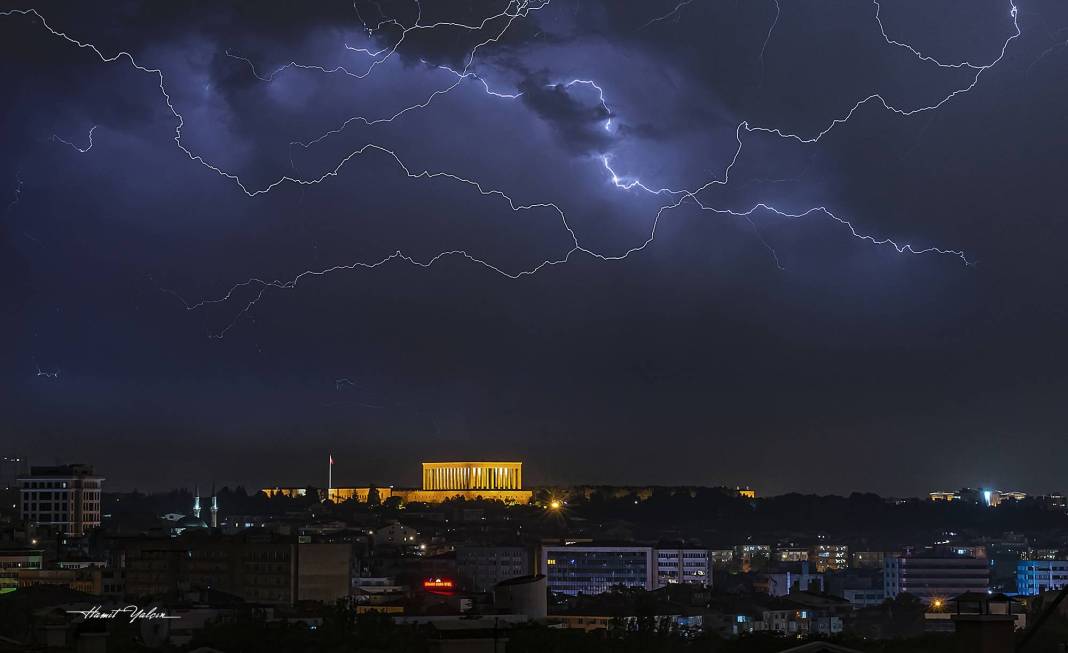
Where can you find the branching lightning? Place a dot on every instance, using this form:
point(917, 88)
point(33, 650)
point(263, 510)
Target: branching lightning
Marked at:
point(82, 150)
point(517, 10)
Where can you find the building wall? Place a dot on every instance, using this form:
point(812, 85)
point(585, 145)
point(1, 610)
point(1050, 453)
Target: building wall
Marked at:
point(930, 578)
point(683, 566)
point(258, 569)
point(66, 498)
point(480, 568)
point(361, 494)
point(14, 561)
point(595, 570)
point(828, 557)
point(473, 476)
point(437, 496)
point(324, 571)
point(1033, 577)
point(89, 581)
point(864, 598)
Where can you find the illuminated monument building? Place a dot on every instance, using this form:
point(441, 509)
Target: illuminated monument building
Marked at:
point(496, 481)
point(493, 480)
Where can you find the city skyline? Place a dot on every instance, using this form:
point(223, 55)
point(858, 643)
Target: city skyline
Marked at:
point(945, 491)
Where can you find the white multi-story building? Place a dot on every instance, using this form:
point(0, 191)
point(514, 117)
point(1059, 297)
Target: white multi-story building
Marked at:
point(683, 566)
point(1033, 577)
point(64, 498)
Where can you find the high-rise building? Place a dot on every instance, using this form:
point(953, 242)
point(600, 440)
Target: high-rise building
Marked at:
point(65, 498)
point(585, 569)
point(935, 577)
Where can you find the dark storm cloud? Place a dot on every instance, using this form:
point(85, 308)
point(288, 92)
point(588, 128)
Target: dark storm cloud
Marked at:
point(699, 343)
point(578, 124)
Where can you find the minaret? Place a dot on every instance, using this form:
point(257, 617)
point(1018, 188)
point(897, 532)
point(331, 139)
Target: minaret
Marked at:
point(214, 508)
point(196, 503)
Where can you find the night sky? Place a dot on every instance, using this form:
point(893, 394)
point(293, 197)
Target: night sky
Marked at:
point(152, 326)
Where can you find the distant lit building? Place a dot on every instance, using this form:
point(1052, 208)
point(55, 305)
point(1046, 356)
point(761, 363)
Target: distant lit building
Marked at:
point(748, 552)
point(746, 492)
point(15, 561)
point(1044, 554)
point(791, 554)
point(64, 498)
point(864, 597)
point(828, 557)
point(1055, 501)
point(720, 557)
point(943, 495)
point(990, 498)
point(781, 583)
point(581, 569)
point(931, 578)
point(867, 559)
point(683, 566)
point(1033, 577)
point(500, 481)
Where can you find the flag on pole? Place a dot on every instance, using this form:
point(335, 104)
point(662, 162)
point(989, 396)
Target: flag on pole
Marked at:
point(331, 458)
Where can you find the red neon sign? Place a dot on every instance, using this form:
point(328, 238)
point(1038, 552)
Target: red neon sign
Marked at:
point(437, 584)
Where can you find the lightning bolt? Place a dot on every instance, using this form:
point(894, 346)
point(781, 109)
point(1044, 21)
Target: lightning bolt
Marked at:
point(48, 374)
point(771, 30)
point(17, 194)
point(515, 10)
point(673, 14)
point(56, 139)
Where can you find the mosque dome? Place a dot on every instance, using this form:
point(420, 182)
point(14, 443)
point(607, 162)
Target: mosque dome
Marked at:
point(190, 521)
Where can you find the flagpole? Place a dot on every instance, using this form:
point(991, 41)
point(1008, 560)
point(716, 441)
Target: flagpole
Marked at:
point(329, 474)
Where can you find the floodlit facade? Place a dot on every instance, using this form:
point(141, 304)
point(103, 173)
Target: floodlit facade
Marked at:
point(499, 481)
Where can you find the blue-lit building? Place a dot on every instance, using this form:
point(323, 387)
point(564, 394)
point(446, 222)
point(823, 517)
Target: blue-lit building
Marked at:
point(1034, 577)
point(583, 569)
